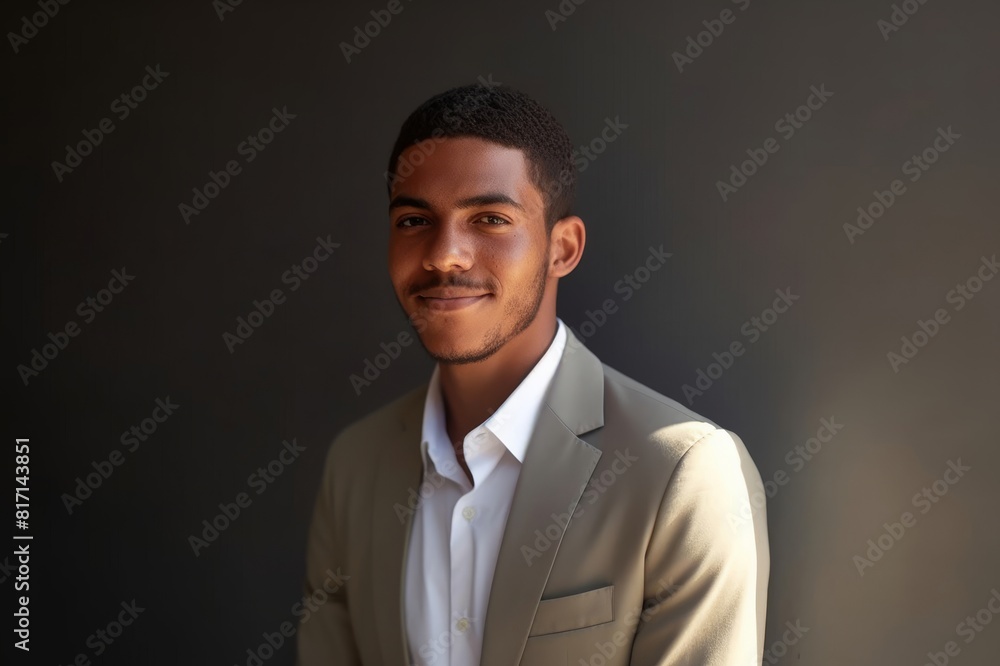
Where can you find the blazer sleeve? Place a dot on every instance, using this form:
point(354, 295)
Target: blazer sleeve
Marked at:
point(707, 562)
point(325, 635)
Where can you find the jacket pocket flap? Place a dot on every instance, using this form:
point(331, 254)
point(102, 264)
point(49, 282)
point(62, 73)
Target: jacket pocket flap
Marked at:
point(575, 611)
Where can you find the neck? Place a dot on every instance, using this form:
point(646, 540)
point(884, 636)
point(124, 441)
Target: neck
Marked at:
point(473, 391)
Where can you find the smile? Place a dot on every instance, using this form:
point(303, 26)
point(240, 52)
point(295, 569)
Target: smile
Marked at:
point(450, 303)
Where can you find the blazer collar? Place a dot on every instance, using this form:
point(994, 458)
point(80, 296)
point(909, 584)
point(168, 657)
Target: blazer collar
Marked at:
point(573, 405)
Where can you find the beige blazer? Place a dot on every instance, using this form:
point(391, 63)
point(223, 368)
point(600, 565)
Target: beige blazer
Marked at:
point(636, 535)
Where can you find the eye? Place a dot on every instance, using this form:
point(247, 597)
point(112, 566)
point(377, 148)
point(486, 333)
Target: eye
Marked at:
point(494, 220)
point(415, 220)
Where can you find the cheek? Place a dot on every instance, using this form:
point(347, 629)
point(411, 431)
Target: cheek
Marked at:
point(516, 252)
point(518, 268)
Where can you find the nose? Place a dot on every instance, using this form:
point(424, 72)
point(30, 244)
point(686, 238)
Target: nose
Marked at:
point(448, 249)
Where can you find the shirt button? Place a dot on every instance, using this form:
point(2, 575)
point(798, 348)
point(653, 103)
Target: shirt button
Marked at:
point(468, 513)
point(481, 436)
point(462, 624)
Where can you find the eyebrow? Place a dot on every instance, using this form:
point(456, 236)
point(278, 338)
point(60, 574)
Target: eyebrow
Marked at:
point(486, 199)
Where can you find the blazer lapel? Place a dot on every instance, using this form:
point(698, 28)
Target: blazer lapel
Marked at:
point(556, 469)
point(553, 477)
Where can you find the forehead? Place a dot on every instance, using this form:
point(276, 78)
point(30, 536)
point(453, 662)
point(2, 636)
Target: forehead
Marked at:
point(459, 167)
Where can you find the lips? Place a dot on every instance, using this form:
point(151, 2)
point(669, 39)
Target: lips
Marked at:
point(447, 300)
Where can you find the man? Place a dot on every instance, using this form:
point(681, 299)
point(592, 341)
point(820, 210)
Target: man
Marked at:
point(528, 505)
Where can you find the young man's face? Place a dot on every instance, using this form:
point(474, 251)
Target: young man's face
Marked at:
point(468, 249)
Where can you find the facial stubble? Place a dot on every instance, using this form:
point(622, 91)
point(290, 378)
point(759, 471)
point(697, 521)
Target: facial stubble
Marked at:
point(521, 312)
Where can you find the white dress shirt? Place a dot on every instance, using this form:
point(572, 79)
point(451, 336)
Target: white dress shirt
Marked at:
point(457, 526)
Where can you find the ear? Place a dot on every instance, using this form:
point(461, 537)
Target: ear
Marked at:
point(566, 242)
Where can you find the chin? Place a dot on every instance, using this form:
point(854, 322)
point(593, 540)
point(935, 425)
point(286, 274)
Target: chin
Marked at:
point(447, 345)
point(452, 346)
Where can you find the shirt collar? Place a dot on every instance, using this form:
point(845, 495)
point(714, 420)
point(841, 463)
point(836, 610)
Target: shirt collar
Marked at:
point(515, 419)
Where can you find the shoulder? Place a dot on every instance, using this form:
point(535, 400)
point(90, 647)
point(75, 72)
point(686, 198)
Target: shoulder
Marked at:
point(662, 426)
point(631, 405)
point(693, 463)
point(363, 438)
point(643, 397)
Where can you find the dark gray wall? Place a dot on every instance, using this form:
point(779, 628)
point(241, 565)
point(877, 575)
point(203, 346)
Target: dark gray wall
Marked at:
point(656, 184)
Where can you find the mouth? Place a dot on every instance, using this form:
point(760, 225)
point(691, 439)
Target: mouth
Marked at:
point(449, 304)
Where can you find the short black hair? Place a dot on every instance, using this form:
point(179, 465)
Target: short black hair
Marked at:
point(497, 112)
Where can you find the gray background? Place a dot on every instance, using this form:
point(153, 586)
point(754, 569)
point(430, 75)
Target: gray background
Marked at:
point(656, 184)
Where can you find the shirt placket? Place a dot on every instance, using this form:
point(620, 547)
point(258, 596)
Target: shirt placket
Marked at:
point(464, 524)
